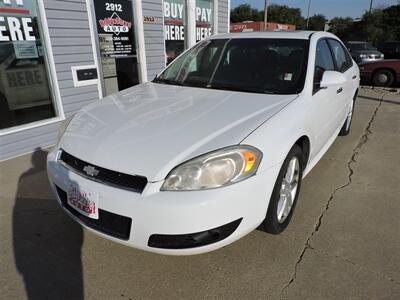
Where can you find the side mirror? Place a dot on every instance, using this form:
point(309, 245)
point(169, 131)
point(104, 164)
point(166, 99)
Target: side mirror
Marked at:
point(331, 78)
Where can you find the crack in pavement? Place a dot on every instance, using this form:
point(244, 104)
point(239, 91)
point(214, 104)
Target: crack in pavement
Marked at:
point(361, 142)
point(359, 267)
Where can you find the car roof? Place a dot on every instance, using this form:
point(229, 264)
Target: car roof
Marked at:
point(305, 35)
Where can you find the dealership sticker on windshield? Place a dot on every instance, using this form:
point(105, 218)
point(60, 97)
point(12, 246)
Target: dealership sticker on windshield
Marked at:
point(84, 201)
point(288, 76)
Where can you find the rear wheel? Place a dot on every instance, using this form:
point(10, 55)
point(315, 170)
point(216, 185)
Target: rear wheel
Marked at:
point(285, 193)
point(383, 77)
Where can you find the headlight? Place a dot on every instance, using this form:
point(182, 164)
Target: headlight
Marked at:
point(64, 126)
point(214, 169)
point(363, 55)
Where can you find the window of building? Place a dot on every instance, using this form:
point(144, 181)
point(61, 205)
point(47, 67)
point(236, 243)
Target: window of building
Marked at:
point(204, 19)
point(25, 90)
point(174, 28)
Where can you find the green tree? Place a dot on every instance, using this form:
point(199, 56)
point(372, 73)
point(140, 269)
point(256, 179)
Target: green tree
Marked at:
point(317, 22)
point(390, 22)
point(276, 13)
point(286, 15)
point(245, 12)
point(340, 26)
point(376, 26)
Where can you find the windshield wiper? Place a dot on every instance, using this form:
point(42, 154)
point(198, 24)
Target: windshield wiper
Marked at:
point(166, 81)
point(240, 89)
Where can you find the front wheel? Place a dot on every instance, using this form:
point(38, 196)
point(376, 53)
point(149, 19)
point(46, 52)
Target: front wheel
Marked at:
point(285, 193)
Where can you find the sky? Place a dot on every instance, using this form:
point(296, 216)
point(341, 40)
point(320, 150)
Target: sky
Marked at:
point(329, 8)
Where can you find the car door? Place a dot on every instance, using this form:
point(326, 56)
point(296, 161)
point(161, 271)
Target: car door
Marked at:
point(324, 99)
point(345, 92)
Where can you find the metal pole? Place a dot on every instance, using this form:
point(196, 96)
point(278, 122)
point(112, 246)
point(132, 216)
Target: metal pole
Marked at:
point(308, 13)
point(370, 5)
point(265, 15)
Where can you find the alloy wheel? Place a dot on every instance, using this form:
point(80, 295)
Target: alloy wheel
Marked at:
point(288, 190)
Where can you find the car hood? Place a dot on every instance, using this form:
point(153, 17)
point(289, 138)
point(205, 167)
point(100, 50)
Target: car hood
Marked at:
point(150, 128)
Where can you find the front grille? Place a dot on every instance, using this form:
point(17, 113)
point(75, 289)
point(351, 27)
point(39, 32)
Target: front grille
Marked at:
point(131, 182)
point(108, 223)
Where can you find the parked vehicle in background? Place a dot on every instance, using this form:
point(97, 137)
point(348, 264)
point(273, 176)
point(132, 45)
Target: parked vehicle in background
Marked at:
point(363, 52)
point(390, 49)
point(381, 73)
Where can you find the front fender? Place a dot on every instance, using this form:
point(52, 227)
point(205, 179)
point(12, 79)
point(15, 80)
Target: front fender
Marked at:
point(277, 136)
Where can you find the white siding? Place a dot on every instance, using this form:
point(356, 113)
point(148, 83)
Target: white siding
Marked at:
point(154, 37)
point(223, 16)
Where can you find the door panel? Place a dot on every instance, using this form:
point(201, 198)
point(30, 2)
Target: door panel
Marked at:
point(344, 64)
point(324, 102)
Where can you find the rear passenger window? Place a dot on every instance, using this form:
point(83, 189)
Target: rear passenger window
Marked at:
point(342, 57)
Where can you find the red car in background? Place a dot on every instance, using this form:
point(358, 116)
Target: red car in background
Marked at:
point(381, 73)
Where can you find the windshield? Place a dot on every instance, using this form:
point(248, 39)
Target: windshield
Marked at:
point(272, 66)
point(361, 46)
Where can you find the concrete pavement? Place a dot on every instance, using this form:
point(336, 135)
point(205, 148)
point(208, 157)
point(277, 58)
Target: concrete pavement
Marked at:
point(343, 241)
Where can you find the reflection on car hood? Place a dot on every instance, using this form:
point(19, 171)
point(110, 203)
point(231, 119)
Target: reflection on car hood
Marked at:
point(150, 128)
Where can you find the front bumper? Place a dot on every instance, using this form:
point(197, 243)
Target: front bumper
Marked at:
point(159, 214)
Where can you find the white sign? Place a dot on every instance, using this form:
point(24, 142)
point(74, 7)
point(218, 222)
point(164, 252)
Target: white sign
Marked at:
point(25, 50)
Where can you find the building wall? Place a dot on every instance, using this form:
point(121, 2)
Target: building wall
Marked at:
point(68, 27)
point(259, 26)
point(71, 42)
point(223, 16)
point(70, 38)
point(154, 37)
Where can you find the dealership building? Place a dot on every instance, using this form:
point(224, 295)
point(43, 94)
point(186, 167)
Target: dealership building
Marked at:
point(58, 56)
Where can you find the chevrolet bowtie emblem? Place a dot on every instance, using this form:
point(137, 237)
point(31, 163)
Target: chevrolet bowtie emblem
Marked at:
point(91, 171)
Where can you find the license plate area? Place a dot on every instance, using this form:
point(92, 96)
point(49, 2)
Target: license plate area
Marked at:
point(84, 201)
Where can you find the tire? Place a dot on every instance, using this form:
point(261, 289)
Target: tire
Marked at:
point(277, 218)
point(347, 124)
point(383, 77)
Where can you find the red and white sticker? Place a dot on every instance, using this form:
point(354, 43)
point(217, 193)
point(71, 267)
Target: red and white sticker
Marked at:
point(84, 201)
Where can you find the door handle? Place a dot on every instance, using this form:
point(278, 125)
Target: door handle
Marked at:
point(339, 90)
point(354, 77)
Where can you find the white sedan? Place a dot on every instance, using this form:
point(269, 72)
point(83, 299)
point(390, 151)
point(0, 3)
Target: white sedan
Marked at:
point(214, 147)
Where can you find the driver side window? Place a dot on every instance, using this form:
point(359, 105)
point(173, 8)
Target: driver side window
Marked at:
point(323, 62)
